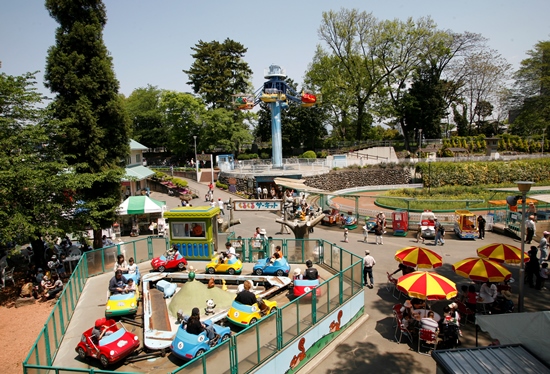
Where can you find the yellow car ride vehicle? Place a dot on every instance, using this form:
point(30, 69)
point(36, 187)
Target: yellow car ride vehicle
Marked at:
point(227, 266)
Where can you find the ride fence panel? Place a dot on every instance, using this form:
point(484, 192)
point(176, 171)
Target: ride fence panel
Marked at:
point(305, 309)
point(296, 250)
point(197, 366)
point(290, 322)
point(141, 248)
point(321, 303)
point(109, 257)
point(94, 260)
point(160, 245)
point(59, 329)
point(247, 355)
point(332, 296)
point(352, 280)
point(267, 336)
point(218, 360)
point(347, 259)
point(332, 255)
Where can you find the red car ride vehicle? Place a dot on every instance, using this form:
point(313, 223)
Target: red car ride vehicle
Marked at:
point(115, 345)
point(167, 262)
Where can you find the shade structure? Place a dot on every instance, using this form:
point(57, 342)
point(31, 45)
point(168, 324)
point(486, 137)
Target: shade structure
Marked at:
point(141, 205)
point(482, 270)
point(427, 285)
point(500, 252)
point(418, 257)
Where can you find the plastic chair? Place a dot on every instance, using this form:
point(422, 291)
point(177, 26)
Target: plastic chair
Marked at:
point(397, 315)
point(7, 275)
point(392, 283)
point(464, 311)
point(428, 336)
point(402, 331)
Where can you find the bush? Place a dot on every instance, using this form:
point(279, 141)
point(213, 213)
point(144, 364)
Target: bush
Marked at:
point(309, 154)
point(265, 156)
point(180, 182)
point(322, 154)
point(221, 185)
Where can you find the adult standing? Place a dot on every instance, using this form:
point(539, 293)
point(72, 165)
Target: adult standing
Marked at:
point(543, 246)
point(221, 205)
point(439, 232)
point(532, 269)
point(210, 187)
point(531, 228)
point(264, 193)
point(259, 192)
point(368, 263)
point(481, 226)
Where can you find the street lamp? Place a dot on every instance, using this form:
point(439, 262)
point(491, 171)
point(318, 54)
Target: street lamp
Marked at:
point(523, 187)
point(196, 161)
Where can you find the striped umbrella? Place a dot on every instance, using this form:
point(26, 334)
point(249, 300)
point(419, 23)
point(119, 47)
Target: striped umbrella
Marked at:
point(500, 252)
point(482, 270)
point(419, 257)
point(426, 285)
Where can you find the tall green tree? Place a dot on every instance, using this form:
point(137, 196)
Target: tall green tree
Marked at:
point(32, 181)
point(219, 71)
point(183, 118)
point(94, 129)
point(148, 126)
point(532, 96)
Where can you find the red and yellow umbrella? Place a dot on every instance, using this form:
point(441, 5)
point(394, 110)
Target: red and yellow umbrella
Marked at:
point(480, 269)
point(427, 285)
point(500, 252)
point(418, 257)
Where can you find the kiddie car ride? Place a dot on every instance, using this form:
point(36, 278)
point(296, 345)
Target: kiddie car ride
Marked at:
point(122, 304)
point(303, 286)
point(111, 348)
point(279, 267)
point(188, 346)
point(230, 266)
point(427, 224)
point(164, 262)
point(244, 315)
point(465, 224)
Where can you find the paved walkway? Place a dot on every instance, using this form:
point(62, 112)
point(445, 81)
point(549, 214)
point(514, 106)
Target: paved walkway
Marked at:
point(371, 346)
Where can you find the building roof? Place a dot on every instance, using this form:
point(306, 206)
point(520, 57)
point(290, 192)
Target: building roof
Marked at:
point(135, 146)
point(137, 172)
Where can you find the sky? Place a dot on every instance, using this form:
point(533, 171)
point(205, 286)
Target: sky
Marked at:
point(150, 41)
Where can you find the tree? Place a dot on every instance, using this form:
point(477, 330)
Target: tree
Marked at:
point(483, 74)
point(183, 117)
point(424, 105)
point(532, 92)
point(32, 181)
point(93, 129)
point(148, 126)
point(225, 130)
point(219, 72)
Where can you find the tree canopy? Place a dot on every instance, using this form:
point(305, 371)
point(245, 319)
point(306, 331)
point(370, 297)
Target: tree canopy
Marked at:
point(93, 129)
point(219, 71)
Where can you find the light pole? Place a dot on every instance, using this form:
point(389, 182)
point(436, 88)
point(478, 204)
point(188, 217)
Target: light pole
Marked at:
point(523, 187)
point(196, 161)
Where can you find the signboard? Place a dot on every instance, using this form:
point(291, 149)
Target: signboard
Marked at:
point(204, 156)
point(256, 205)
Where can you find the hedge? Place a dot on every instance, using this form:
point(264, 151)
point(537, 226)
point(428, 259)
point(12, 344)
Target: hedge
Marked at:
point(438, 174)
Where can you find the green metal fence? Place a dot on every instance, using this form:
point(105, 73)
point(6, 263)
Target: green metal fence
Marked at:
point(271, 334)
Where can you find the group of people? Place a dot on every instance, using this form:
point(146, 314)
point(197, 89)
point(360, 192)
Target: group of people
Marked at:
point(379, 229)
point(310, 273)
point(120, 284)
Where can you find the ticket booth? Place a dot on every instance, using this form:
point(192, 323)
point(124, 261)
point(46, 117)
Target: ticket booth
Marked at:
point(400, 222)
point(194, 231)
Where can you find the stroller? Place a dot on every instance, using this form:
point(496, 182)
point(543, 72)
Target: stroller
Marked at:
point(450, 336)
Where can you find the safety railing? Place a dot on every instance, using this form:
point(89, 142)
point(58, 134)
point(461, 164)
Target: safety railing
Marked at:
point(271, 334)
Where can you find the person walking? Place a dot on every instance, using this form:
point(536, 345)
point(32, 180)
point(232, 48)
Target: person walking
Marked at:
point(378, 231)
point(543, 246)
point(368, 263)
point(365, 233)
point(439, 232)
point(481, 226)
point(221, 205)
point(419, 234)
point(531, 228)
point(346, 235)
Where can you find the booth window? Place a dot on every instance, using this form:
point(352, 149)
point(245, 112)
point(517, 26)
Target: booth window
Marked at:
point(182, 230)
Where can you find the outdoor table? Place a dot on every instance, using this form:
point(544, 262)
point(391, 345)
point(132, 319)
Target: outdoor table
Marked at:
point(424, 313)
point(70, 261)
